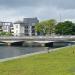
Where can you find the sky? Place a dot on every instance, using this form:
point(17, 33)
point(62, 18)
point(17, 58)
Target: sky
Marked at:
point(13, 10)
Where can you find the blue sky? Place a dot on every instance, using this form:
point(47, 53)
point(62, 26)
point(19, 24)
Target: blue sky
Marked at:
point(12, 10)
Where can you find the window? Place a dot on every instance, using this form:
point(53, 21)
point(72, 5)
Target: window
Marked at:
point(33, 31)
point(33, 27)
point(26, 31)
point(26, 27)
point(16, 26)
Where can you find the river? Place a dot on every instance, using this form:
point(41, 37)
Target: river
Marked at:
point(9, 51)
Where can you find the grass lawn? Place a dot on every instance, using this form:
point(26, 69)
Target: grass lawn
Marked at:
point(61, 62)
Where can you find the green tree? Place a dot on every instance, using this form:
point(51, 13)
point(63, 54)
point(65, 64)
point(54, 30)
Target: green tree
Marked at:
point(51, 26)
point(59, 28)
point(8, 34)
point(39, 28)
point(5, 34)
point(46, 27)
point(2, 33)
point(65, 28)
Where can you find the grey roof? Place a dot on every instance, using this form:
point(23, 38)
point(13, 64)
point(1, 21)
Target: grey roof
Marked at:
point(18, 22)
point(30, 20)
point(4, 24)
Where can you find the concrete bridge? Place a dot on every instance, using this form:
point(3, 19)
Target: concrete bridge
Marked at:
point(36, 39)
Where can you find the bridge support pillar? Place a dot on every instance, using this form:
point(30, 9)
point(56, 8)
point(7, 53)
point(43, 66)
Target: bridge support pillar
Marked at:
point(9, 44)
point(42, 45)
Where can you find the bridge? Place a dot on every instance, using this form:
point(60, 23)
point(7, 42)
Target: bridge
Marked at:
point(37, 39)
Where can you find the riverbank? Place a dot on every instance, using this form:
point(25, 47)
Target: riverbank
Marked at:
point(61, 62)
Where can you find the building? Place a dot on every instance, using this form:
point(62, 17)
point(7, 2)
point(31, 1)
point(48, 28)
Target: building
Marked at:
point(1, 27)
point(30, 26)
point(12, 30)
point(19, 28)
point(6, 26)
point(25, 27)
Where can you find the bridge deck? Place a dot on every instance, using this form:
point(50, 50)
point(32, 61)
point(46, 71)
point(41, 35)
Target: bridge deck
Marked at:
point(38, 38)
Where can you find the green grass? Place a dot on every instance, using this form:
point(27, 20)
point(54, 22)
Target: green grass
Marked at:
point(61, 62)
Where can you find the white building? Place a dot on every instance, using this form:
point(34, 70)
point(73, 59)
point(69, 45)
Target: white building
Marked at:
point(1, 27)
point(6, 26)
point(18, 28)
point(12, 30)
point(25, 28)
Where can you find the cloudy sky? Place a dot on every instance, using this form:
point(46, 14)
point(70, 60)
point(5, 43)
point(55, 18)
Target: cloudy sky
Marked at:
point(11, 10)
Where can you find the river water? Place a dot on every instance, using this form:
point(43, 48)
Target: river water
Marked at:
point(9, 51)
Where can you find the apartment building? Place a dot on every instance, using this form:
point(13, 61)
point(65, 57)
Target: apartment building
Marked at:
point(18, 28)
point(30, 26)
point(25, 27)
point(6, 26)
point(1, 27)
point(12, 30)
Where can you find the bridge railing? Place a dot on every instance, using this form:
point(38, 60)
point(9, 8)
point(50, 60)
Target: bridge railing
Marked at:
point(36, 37)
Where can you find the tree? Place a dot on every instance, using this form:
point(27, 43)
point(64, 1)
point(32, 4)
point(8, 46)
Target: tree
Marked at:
point(59, 28)
point(46, 27)
point(5, 34)
point(65, 28)
point(39, 28)
point(8, 34)
point(51, 26)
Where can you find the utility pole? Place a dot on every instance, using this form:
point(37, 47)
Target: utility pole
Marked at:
point(60, 17)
